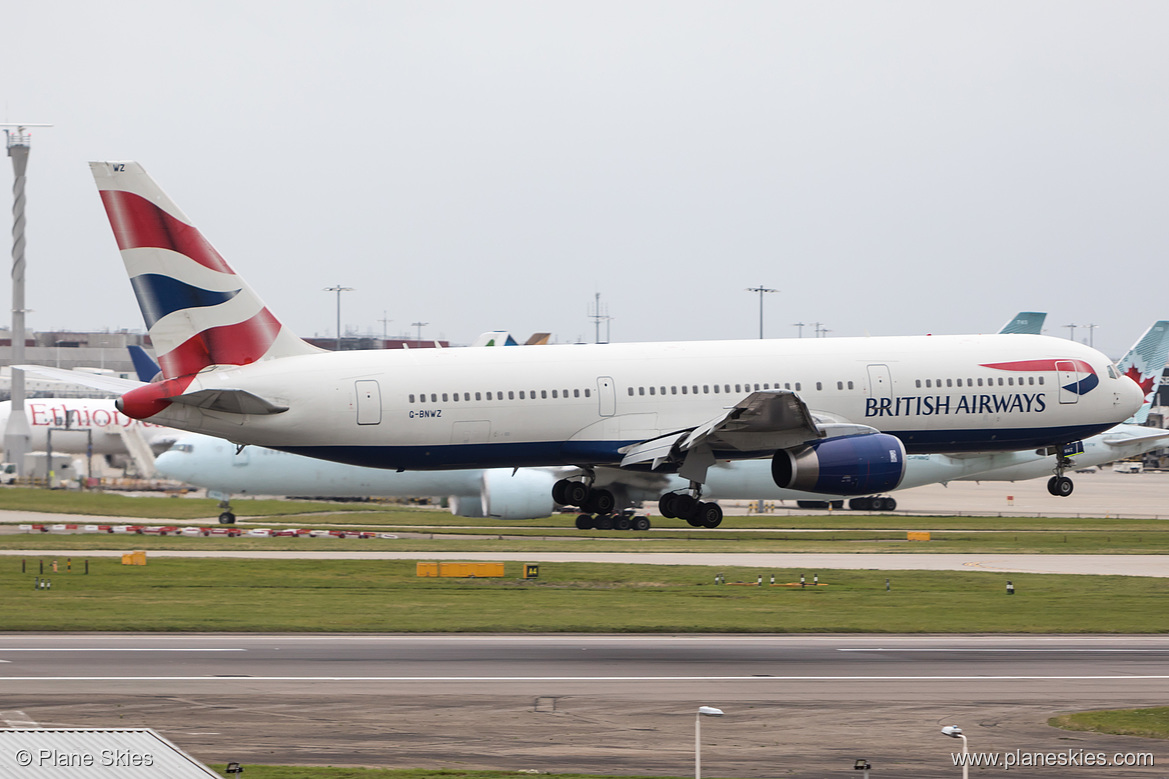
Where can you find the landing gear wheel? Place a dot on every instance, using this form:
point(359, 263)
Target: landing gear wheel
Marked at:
point(890, 504)
point(584, 522)
point(694, 522)
point(641, 523)
point(576, 493)
point(599, 502)
point(710, 514)
point(685, 506)
point(622, 523)
point(558, 490)
point(667, 505)
point(861, 504)
point(227, 518)
point(604, 522)
point(1060, 486)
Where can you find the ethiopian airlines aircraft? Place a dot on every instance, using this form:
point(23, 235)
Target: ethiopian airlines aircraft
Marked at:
point(835, 416)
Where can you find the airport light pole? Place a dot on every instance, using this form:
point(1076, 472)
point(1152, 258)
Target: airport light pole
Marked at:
point(761, 290)
point(703, 711)
point(419, 325)
point(18, 434)
point(1091, 329)
point(801, 326)
point(953, 731)
point(338, 289)
point(1072, 327)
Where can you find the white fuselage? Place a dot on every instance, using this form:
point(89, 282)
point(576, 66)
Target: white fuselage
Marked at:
point(581, 404)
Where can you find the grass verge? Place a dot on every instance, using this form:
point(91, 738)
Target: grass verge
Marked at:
point(386, 596)
point(1147, 723)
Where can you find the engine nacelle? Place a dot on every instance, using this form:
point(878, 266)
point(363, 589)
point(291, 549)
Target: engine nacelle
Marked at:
point(525, 495)
point(849, 465)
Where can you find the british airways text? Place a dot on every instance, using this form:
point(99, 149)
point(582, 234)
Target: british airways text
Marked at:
point(929, 405)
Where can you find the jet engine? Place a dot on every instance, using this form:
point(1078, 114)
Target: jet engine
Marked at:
point(848, 465)
point(525, 495)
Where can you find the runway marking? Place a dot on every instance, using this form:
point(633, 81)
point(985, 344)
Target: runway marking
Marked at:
point(107, 649)
point(981, 678)
point(1003, 649)
point(17, 719)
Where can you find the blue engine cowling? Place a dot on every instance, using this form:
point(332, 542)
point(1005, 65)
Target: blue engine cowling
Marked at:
point(849, 465)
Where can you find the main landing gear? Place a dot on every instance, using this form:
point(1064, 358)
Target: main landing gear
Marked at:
point(599, 506)
point(683, 505)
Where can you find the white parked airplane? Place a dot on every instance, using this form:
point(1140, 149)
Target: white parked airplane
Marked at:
point(72, 420)
point(836, 416)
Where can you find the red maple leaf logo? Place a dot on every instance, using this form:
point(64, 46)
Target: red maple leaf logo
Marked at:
point(1146, 385)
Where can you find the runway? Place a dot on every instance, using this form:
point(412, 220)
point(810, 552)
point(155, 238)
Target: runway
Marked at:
point(795, 705)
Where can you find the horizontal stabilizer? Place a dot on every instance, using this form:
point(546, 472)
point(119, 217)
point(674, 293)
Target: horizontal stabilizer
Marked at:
point(98, 381)
point(228, 401)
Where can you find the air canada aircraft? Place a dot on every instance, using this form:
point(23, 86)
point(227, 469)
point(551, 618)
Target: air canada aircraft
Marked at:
point(834, 416)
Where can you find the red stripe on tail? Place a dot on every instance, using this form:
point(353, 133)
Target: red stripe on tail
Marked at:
point(138, 223)
point(238, 344)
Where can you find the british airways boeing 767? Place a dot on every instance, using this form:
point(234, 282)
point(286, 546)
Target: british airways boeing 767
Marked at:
point(835, 416)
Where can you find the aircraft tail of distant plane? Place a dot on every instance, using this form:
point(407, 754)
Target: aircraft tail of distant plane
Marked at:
point(1144, 364)
point(198, 312)
point(1026, 322)
point(146, 368)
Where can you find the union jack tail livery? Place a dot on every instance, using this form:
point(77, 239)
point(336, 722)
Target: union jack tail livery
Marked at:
point(198, 312)
point(1144, 363)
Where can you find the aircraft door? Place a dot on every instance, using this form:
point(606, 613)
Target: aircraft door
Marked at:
point(369, 402)
point(880, 382)
point(1068, 379)
point(606, 396)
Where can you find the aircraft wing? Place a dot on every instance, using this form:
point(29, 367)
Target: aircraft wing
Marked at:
point(761, 422)
point(94, 380)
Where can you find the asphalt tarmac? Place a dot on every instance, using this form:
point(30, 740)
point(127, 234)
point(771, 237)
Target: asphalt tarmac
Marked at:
point(795, 706)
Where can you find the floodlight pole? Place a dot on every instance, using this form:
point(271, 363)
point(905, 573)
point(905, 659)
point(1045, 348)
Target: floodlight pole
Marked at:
point(338, 289)
point(761, 290)
point(18, 434)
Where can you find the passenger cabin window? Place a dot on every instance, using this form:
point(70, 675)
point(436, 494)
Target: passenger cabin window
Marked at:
point(411, 398)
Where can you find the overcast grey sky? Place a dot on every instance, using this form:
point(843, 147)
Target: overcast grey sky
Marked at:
point(891, 168)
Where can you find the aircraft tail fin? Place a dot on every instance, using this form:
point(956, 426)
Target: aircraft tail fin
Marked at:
point(146, 368)
point(1144, 364)
point(1026, 323)
point(198, 312)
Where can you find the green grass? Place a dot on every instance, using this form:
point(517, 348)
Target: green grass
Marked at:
point(1148, 723)
point(375, 596)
